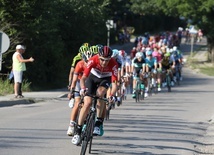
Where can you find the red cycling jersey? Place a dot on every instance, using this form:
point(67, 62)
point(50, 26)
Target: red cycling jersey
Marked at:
point(94, 67)
point(80, 67)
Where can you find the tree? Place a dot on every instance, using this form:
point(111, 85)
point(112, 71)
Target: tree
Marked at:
point(52, 31)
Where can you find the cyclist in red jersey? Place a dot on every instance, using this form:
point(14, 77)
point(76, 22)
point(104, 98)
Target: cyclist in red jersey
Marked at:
point(100, 72)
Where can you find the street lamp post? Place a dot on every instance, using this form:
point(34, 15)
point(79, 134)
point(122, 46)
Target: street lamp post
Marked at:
point(109, 25)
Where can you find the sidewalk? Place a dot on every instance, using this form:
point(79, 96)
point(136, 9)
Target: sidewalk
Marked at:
point(32, 97)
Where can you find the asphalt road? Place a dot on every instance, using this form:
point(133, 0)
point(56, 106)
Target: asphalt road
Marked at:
point(174, 123)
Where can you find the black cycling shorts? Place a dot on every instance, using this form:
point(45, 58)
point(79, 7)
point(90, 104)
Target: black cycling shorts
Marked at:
point(93, 82)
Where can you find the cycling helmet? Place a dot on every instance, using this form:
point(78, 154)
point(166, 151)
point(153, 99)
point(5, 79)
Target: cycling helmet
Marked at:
point(105, 51)
point(86, 55)
point(99, 45)
point(149, 52)
point(94, 49)
point(122, 53)
point(174, 48)
point(139, 55)
point(167, 54)
point(115, 53)
point(86, 44)
point(83, 48)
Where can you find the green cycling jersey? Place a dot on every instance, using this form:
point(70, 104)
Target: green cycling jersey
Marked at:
point(76, 59)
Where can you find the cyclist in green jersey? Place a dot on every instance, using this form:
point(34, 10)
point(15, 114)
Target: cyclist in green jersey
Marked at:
point(75, 60)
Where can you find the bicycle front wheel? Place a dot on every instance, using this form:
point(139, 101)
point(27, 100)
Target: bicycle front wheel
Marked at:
point(88, 133)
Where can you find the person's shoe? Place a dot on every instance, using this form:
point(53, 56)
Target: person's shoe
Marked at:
point(70, 131)
point(101, 130)
point(96, 131)
point(118, 103)
point(84, 127)
point(20, 96)
point(133, 95)
point(159, 89)
point(146, 95)
point(76, 139)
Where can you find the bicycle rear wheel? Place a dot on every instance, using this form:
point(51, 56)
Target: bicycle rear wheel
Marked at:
point(168, 82)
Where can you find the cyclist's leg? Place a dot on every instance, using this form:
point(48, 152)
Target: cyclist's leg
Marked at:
point(74, 111)
point(101, 106)
point(91, 86)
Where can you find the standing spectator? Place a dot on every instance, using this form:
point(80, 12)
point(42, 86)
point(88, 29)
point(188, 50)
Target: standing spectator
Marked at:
point(18, 68)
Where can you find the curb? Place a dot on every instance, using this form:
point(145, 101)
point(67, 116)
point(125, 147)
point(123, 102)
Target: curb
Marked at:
point(16, 102)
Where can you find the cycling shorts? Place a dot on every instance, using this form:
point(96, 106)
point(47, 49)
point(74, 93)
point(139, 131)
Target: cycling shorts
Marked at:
point(93, 82)
point(77, 88)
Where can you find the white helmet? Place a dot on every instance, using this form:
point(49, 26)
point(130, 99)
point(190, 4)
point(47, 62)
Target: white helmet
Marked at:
point(139, 55)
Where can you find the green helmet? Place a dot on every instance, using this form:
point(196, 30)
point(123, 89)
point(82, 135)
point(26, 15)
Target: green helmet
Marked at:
point(94, 49)
point(83, 49)
point(167, 54)
point(86, 44)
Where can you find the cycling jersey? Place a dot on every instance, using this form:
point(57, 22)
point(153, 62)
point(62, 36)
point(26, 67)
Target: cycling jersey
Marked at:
point(93, 66)
point(76, 59)
point(138, 64)
point(165, 62)
point(81, 65)
point(151, 62)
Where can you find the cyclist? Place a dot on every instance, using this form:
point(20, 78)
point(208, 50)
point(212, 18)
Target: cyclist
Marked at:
point(100, 72)
point(75, 60)
point(151, 66)
point(138, 67)
point(156, 54)
point(176, 59)
point(166, 64)
point(86, 54)
point(118, 59)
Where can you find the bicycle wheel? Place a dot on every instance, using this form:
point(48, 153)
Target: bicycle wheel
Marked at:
point(168, 82)
point(142, 91)
point(108, 111)
point(91, 135)
point(87, 135)
point(177, 77)
point(137, 92)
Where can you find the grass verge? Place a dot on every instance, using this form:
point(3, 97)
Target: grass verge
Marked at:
point(6, 86)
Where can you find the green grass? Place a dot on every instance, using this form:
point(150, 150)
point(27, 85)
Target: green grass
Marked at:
point(207, 70)
point(6, 87)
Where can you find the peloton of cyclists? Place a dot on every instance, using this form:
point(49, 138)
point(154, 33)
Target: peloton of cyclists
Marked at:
point(101, 71)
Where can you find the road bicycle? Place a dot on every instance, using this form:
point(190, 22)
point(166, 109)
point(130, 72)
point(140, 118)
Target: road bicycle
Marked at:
point(168, 74)
point(87, 132)
point(152, 87)
point(139, 90)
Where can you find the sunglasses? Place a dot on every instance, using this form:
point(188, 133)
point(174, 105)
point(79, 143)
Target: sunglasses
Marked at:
point(106, 60)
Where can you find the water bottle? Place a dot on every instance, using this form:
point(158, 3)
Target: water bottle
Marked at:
point(71, 103)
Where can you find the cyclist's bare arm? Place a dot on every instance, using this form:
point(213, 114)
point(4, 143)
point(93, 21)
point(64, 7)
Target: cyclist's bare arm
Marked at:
point(82, 82)
point(70, 76)
point(114, 88)
point(74, 81)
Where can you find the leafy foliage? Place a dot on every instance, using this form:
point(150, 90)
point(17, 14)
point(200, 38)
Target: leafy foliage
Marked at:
point(52, 32)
